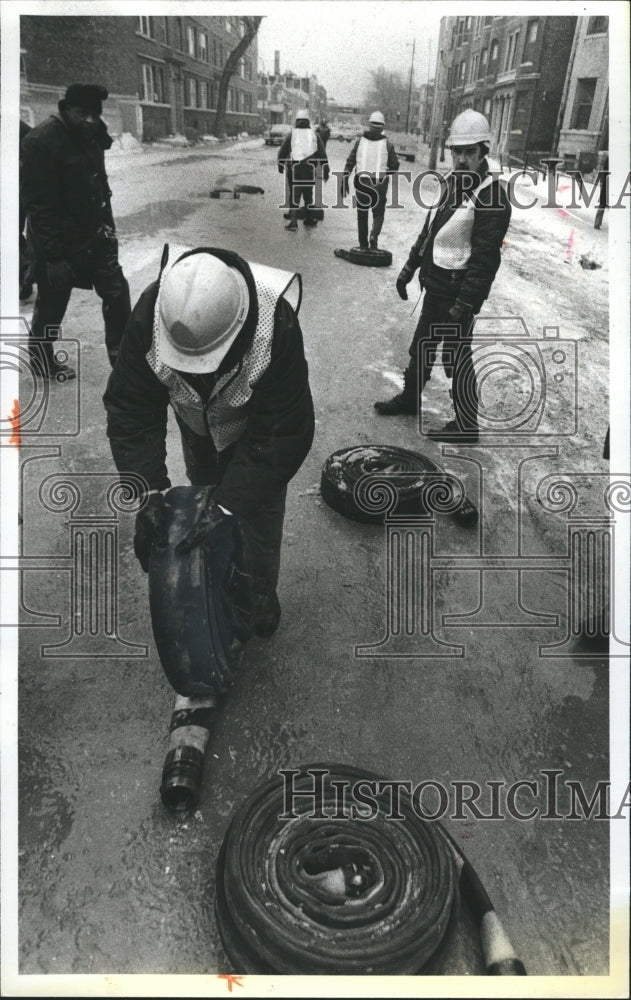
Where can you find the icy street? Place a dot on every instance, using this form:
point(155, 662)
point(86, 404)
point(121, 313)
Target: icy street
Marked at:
point(110, 882)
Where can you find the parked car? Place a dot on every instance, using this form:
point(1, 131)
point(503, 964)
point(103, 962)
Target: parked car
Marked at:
point(276, 134)
point(346, 133)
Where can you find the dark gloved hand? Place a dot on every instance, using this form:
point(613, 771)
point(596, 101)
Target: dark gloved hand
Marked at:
point(209, 520)
point(403, 281)
point(326, 172)
point(346, 183)
point(281, 168)
point(151, 528)
point(59, 274)
point(461, 314)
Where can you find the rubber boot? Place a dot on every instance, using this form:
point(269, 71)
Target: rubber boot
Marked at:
point(405, 402)
point(292, 225)
point(362, 229)
point(377, 225)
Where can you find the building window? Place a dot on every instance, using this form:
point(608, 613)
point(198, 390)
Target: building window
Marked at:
point(192, 92)
point(582, 111)
point(190, 34)
point(511, 51)
point(475, 62)
point(463, 70)
point(487, 107)
point(484, 54)
point(144, 26)
point(202, 47)
point(495, 47)
point(152, 84)
point(202, 93)
point(533, 27)
point(478, 27)
point(228, 25)
point(597, 25)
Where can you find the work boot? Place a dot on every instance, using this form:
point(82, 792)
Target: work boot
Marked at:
point(293, 220)
point(451, 433)
point(377, 225)
point(267, 614)
point(405, 402)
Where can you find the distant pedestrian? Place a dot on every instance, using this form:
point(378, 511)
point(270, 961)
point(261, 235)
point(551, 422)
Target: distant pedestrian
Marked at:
point(302, 157)
point(67, 200)
point(458, 253)
point(373, 158)
point(602, 201)
point(323, 131)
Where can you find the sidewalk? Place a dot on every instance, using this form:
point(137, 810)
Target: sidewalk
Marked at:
point(126, 153)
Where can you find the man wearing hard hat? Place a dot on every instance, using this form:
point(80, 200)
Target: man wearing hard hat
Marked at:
point(457, 254)
point(217, 339)
point(302, 157)
point(372, 158)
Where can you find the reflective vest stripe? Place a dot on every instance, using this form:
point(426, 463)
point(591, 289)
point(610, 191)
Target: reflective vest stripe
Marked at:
point(372, 156)
point(304, 143)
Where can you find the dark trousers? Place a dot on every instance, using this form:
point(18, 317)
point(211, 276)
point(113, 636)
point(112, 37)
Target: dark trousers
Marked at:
point(298, 190)
point(263, 530)
point(98, 269)
point(378, 212)
point(457, 357)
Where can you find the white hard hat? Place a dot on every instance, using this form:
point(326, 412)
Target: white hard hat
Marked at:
point(302, 115)
point(202, 306)
point(376, 118)
point(468, 128)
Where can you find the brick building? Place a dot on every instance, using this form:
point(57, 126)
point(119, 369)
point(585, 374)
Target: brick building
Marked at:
point(281, 95)
point(162, 72)
point(584, 126)
point(513, 70)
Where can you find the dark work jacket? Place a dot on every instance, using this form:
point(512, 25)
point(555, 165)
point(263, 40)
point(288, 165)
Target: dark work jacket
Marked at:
point(64, 188)
point(280, 419)
point(302, 170)
point(472, 285)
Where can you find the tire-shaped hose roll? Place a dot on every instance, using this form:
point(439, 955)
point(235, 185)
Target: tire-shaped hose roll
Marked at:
point(190, 610)
point(408, 473)
point(365, 258)
point(304, 886)
point(331, 896)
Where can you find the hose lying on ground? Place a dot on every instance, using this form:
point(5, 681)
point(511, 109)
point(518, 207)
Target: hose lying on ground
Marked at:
point(324, 892)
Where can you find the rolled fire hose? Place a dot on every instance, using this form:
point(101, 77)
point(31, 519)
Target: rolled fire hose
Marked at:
point(326, 893)
point(184, 763)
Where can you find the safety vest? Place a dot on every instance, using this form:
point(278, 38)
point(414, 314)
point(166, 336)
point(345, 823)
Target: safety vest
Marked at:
point(224, 416)
point(372, 156)
point(304, 143)
point(452, 243)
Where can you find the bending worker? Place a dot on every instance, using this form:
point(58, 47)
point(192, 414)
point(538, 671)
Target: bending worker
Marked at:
point(216, 339)
point(457, 254)
point(372, 158)
point(302, 157)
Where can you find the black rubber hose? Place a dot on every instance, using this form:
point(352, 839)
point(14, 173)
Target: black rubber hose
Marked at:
point(336, 895)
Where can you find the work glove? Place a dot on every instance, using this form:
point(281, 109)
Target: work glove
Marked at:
point(325, 172)
point(403, 281)
point(59, 274)
point(461, 314)
point(151, 528)
point(345, 183)
point(209, 523)
point(281, 168)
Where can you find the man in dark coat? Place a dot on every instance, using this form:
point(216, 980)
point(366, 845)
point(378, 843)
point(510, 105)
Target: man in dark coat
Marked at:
point(217, 339)
point(66, 196)
point(323, 131)
point(302, 157)
point(373, 158)
point(458, 253)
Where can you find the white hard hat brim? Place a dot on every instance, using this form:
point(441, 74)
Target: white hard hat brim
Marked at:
point(200, 363)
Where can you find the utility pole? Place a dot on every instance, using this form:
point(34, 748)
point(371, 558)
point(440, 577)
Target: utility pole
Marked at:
point(426, 101)
point(407, 119)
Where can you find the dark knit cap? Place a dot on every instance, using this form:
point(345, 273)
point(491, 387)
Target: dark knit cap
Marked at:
point(86, 95)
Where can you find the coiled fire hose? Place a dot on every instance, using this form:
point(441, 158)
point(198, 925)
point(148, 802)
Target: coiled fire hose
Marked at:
point(324, 892)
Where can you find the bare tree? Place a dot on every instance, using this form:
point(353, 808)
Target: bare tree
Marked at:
point(388, 93)
point(251, 26)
